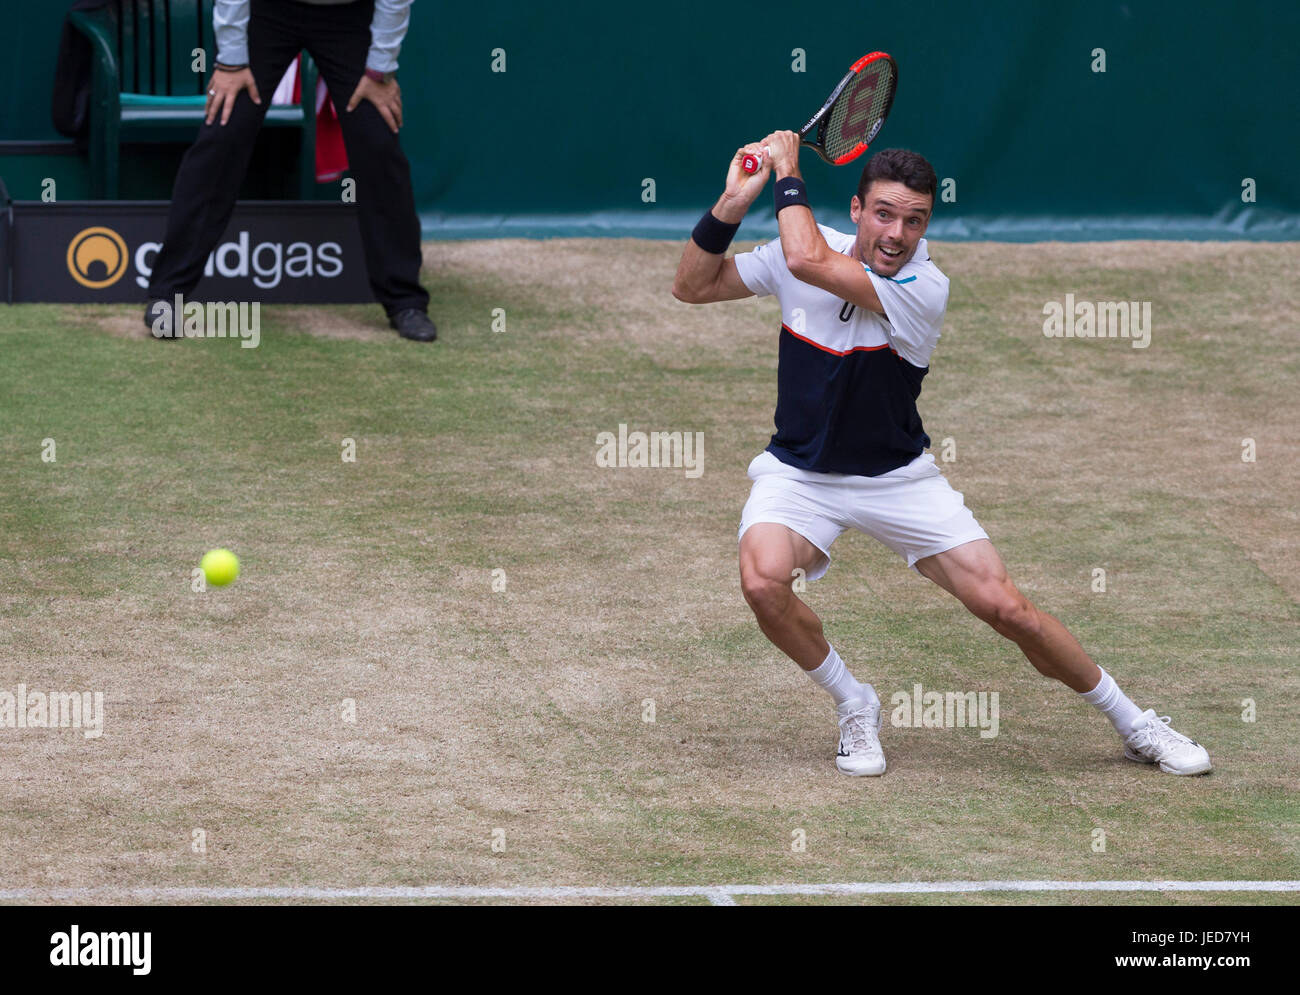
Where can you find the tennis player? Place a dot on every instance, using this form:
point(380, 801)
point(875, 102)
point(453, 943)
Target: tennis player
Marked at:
point(861, 314)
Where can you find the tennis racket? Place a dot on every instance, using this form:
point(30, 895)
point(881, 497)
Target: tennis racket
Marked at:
point(852, 115)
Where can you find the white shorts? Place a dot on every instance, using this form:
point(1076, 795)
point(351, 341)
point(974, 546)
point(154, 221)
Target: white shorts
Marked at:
point(913, 510)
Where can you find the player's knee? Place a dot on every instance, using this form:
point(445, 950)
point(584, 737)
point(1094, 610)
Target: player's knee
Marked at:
point(1007, 611)
point(766, 595)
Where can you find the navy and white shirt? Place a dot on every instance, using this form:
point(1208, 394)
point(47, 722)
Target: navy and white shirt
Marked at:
point(848, 378)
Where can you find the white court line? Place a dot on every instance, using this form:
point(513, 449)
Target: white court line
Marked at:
point(719, 894)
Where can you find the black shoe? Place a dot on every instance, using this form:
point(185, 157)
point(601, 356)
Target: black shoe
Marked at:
point(413, 324)
point(151, 313)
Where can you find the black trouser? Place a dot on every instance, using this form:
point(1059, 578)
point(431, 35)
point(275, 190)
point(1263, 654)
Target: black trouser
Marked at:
point(338, 38)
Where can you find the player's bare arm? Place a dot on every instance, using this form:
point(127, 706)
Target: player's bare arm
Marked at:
point(704, 277)
point(891, 225)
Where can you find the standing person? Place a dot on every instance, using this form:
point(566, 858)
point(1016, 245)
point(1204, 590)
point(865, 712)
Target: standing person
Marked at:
point(355, 44)
point(861, 315)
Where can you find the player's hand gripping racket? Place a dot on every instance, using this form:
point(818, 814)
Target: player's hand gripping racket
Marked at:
point(852, 115)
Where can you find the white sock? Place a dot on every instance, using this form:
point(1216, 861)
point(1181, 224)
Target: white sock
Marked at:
point(1113, 703)
point(838, 682)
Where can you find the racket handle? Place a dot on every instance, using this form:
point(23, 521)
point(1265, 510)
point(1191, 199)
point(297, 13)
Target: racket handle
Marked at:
point(751, 163)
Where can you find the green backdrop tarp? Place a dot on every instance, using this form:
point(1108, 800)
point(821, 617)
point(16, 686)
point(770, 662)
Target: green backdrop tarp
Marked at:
point(1197, 99)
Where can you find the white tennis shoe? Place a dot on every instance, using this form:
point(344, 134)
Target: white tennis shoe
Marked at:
point(1154, 741)
point(859, 753)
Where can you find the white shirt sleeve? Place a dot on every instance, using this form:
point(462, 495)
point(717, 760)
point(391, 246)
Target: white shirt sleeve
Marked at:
point(387, 30)
point(230, 25)
point(762, 270)
point(914, 305)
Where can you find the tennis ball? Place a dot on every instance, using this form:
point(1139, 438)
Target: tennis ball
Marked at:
point(220, 566)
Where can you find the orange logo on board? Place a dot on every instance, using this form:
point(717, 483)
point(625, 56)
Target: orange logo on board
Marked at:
point(97, 257)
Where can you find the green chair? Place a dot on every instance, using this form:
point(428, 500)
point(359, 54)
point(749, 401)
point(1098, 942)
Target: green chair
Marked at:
point(144, 88)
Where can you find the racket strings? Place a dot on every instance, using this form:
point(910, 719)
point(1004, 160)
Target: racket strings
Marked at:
point(859, 109)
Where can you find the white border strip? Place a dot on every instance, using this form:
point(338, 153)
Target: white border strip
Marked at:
point(723, 894)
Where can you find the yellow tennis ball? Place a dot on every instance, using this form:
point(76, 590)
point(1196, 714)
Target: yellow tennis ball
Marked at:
point(220, 566)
